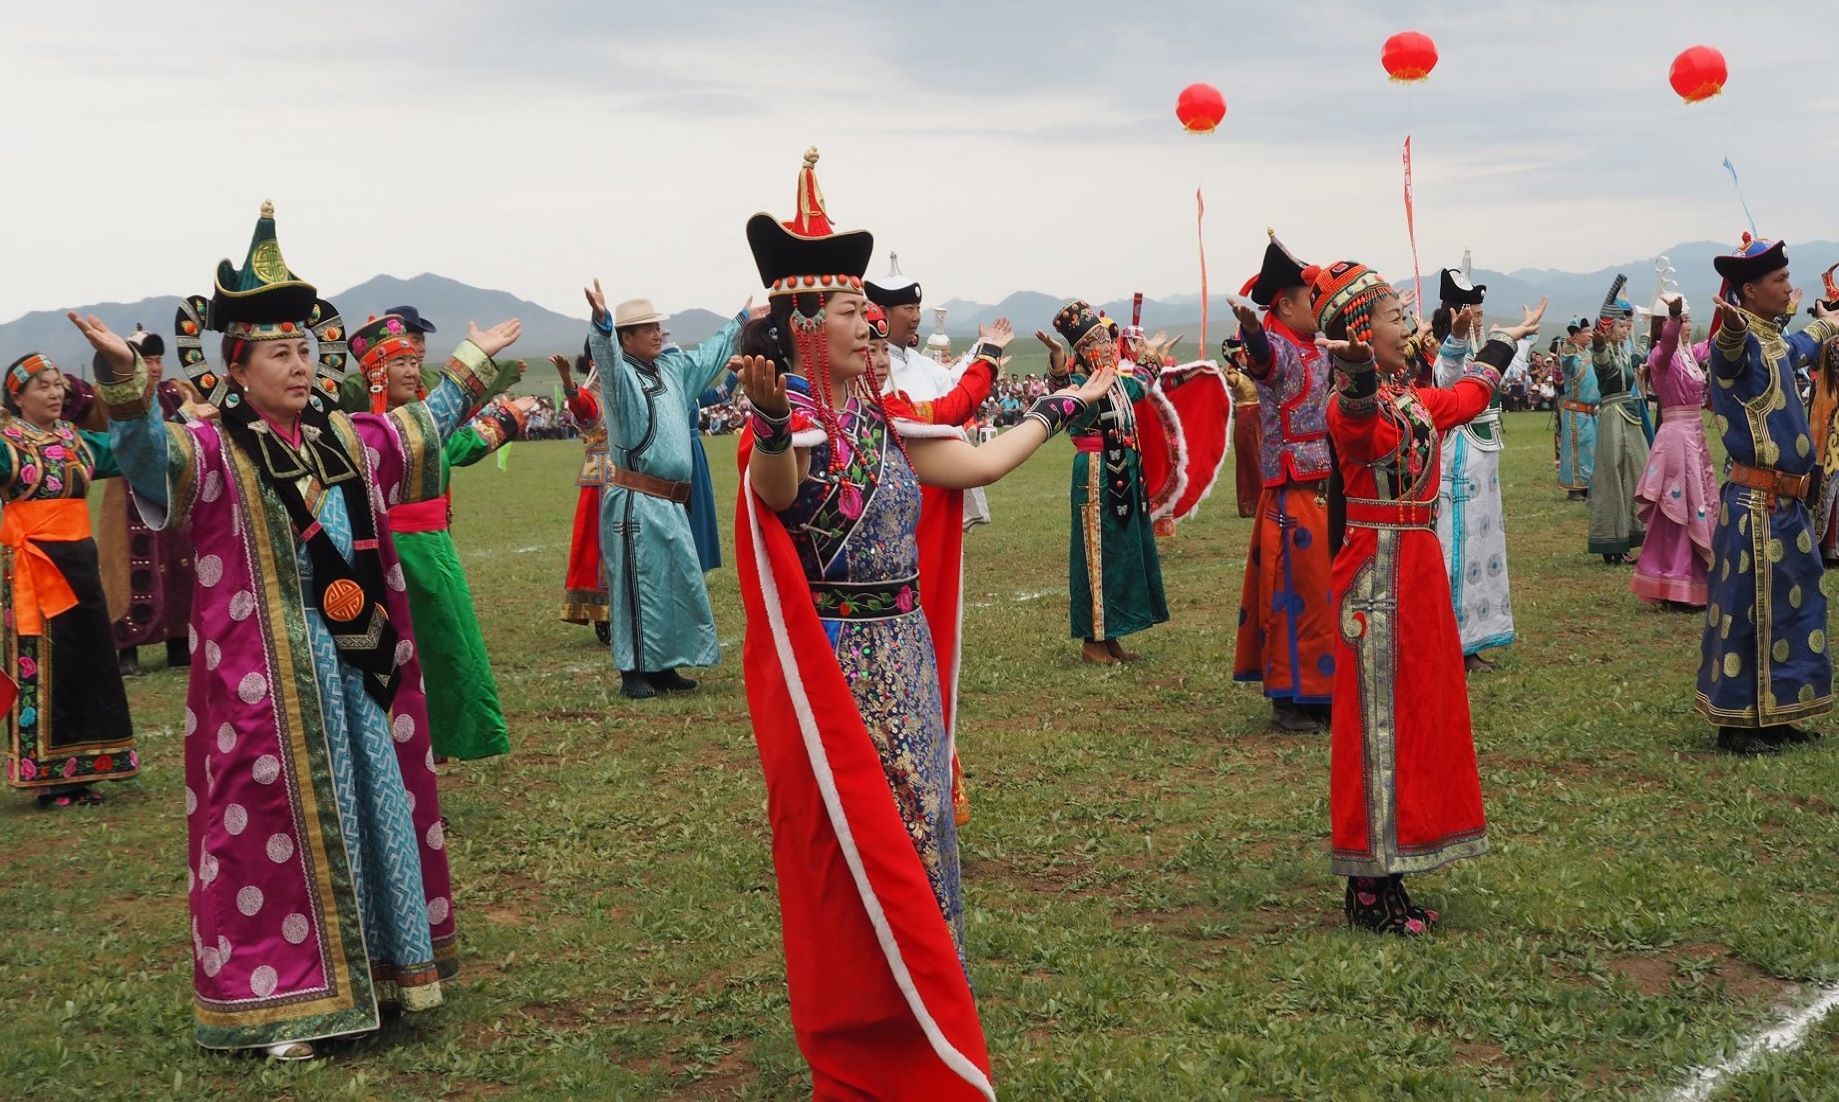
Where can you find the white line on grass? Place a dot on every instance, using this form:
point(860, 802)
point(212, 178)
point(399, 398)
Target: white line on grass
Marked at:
point(1019, 598)
point(1786, 1035)
point(488, 553)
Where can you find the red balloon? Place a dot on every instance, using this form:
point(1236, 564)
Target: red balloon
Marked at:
point(1698, 73)
point(1200, 107)
point(1408, 56)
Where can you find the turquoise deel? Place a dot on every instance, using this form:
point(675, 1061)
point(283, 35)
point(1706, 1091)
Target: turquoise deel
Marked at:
point(657, 601)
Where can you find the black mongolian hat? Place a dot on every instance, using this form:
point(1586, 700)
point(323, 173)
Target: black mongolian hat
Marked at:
point(1281, 271)
point(895, 288)
point(805, 255)
point(1456, 291)
point(262, 300)
point(1752, 260)
point(1077, 320)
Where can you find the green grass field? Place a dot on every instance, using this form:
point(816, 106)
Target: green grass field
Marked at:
point(1150, 910)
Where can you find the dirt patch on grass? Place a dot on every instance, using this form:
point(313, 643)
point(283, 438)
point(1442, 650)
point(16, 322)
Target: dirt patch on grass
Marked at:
point(1742, 980)
point(1685, 964)
point(731, 1073)
point(1649, 975)
point(1480, 1054)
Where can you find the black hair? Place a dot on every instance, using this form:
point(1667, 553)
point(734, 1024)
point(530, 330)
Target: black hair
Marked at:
point(771, 336)
point(236, 351)
point(1440, 322)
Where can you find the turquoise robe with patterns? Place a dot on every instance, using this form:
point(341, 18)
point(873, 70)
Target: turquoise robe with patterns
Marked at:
point(657, 601)
point(1763, 656)
point(1576, 428)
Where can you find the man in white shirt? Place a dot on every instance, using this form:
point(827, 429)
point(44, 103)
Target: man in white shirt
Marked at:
point(910, 370)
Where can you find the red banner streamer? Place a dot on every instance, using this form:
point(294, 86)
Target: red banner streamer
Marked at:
point(1411, 229)
point(1200, 220)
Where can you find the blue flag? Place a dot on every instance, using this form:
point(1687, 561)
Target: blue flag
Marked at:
point(1732, 169)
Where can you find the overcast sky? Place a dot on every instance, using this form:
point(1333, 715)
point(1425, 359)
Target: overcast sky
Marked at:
point(1026, 145)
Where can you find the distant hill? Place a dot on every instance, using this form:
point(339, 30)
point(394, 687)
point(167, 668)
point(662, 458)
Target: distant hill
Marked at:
point(1570, 293)
point(450, 304)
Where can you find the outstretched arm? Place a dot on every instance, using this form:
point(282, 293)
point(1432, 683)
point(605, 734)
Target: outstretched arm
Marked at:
point(138, 434)
point(954, 464)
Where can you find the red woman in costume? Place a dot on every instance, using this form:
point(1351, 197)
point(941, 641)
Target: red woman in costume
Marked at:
point(1406, 793)
point(842, 677)
point(584, 596)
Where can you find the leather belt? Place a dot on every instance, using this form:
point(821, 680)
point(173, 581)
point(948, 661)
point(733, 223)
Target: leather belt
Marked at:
point(1777, 484)
point(1576, 407)
point(1368, 513)
point(651, 485)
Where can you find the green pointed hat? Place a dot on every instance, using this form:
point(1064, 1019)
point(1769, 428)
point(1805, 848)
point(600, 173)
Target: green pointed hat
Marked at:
point(262, 300)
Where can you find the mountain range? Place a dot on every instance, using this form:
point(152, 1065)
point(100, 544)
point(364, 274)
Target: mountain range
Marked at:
point(449, 303)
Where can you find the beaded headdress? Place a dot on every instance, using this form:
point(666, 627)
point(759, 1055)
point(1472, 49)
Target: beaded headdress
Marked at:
point(375, 344)
point(1347, 292)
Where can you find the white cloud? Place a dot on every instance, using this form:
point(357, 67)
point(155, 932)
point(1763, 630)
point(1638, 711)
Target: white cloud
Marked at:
point(532, 146)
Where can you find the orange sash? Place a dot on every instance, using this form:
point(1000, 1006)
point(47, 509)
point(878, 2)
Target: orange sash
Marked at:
point(39, 588)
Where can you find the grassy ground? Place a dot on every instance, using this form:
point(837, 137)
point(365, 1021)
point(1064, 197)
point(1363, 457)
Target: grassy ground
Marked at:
point(1150, 912)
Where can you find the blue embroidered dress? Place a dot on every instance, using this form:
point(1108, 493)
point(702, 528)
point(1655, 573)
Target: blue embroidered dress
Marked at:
point(1764, 657)
point(855, 535)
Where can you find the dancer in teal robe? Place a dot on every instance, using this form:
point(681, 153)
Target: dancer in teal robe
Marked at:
point(1577, 414)
point(657, 601)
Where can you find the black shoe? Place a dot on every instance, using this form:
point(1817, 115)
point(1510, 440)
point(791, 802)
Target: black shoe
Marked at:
point(178, 654)
point(129, 657)
point(1746, 743)
point(1789, 733)
point(634, 685)
point(603, 631)
point(670, 681)
point(1292, 720)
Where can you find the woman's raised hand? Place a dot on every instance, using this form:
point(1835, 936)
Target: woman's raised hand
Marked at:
point(496, 339)
point(1056, 352)
point(998, 333)
point(563, 368)
point(115, 351)
point(1349, 351)
point(762, 383)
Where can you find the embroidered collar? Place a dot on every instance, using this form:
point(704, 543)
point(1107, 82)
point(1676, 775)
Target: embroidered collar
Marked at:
point(314, 456)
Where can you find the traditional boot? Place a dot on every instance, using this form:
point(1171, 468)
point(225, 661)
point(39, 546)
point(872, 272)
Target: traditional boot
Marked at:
point(670, 681)
point(1378, 904)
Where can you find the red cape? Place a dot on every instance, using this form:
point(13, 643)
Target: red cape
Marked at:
point(880, 1003)
point(1183, 434)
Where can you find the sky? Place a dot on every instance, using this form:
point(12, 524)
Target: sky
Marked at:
point(1027, 145)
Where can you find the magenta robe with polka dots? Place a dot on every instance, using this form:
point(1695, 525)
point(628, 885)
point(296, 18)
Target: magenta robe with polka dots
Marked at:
point(278, 945)
point(282, 950)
